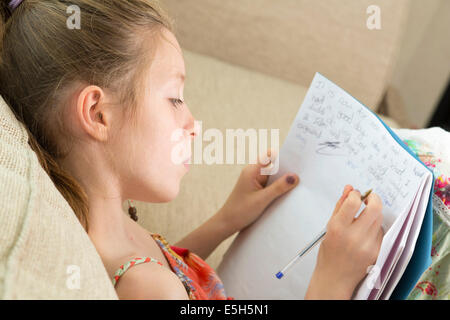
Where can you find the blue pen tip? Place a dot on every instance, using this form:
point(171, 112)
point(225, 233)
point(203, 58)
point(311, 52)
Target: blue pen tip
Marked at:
point(279, 275)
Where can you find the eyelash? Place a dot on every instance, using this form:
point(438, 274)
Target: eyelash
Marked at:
point(177, 102)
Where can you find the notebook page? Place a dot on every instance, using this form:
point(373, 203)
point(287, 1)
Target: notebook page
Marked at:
point(333, 141)
point(397, 248)
point(409, 243)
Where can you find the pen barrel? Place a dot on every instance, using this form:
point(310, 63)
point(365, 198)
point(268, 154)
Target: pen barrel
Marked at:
point(308, 248)
point(312, 244)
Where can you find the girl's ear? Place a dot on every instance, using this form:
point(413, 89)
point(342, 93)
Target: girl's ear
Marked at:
point(91, 112)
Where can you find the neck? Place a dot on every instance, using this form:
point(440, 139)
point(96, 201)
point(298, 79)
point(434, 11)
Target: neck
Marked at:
point(106, 217)
point(107, 220)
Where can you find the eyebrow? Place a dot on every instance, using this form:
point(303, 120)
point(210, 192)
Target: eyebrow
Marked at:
point(177, 76)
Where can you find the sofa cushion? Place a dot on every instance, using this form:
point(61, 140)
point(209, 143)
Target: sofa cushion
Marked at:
point(44, 251)
point(294, 39)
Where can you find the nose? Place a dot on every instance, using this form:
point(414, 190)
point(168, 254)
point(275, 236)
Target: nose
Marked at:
point(190, 127)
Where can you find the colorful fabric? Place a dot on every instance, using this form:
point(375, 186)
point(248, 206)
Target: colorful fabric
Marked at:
point(135, 261)
point(432, 146)
point(199, 279)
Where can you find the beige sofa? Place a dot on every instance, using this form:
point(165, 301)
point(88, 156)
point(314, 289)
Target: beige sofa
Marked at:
point(44, 251)
point(43, 248)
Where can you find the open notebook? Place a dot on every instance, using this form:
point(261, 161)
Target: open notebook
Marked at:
point(335, 140)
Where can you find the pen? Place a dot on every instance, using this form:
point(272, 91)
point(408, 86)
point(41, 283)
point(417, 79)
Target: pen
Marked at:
point(311, 245)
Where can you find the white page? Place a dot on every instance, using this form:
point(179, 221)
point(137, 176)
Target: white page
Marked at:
point(389, 253)
point(333, 141)
point(400, 244)
point(398, 247)
point(410, 242)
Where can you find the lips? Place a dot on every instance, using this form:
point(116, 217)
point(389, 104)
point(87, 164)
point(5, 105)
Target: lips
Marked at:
point(187, 161)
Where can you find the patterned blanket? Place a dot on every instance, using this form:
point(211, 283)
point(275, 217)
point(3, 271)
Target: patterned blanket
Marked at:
point(432, 146)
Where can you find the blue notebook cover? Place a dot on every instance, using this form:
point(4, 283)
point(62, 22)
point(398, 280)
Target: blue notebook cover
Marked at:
point(421, 258)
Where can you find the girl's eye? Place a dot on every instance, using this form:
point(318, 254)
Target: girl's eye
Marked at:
point(177, 102)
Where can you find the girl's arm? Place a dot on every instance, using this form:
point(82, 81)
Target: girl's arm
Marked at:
point(245, 204)
point(203, 240)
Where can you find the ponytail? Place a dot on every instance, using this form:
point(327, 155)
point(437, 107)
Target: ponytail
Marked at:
point(64, 182)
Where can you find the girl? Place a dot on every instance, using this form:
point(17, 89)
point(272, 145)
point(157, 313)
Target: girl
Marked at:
point(101, 103)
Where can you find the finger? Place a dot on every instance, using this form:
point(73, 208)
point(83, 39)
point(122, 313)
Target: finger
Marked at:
point(279, 187)
point(377, 235)
point(376, 228)
point(380, 235)
point(264, 160)
point(371, 213)
point(349, 207)
point(267, 157)
point(347, 189)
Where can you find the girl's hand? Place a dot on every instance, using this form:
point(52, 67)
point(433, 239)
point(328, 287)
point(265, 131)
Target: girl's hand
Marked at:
point(250, 195)
point(349, 247)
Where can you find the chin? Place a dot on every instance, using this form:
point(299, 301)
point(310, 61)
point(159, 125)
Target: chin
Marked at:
point(169, 197)
point(164, 191)
point(164, 194)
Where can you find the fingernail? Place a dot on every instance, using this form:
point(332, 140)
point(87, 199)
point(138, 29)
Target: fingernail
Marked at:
point(290, 179)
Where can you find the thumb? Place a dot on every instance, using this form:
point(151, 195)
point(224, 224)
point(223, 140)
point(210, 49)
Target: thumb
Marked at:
point(280, 186)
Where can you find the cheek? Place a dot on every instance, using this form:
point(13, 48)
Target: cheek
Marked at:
point(154, 133)
point(162, 157)
point(156, 178)
point(156, 152)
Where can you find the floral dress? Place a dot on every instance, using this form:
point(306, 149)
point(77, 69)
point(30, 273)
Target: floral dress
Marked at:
point(199, 279)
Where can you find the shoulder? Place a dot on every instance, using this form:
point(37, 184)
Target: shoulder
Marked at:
point(150, 281)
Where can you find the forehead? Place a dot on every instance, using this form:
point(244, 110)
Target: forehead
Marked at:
point(168, 62)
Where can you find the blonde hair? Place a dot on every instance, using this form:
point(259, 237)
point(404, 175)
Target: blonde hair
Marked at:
point(40, 57)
